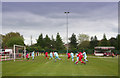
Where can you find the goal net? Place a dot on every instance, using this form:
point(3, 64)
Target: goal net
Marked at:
point(19, 52)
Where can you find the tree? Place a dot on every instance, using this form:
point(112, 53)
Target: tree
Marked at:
point(82, 37)
point(59, 42)
point(15, 40)
point(118, 41)
point(113, 41)
point(73, 41)
point(12, 38)
point(40, 41)
point(84, 45)
point(53, 43)
point(0, 40)
point(104, 41)
point(93, 42)
point(47, 42)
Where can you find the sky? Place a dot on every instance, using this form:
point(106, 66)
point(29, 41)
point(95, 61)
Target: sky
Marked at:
point(0, 17)
point(34, 18)
point(60, 0)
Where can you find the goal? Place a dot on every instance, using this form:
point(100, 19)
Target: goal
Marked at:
point(19, 51)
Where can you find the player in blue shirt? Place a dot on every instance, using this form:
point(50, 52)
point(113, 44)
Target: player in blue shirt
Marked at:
point(51, 55)
point(72, 56)
point(85, 56)
point(33, 55)
point(77, 57)
point(76, 54)
point(56, 56)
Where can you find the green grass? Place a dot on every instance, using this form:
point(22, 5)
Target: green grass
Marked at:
point(46, 67)
point(0, 69)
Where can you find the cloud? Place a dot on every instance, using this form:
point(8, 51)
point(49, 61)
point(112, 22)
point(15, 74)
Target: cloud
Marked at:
point(0, 23)
point(60, 1)
point(31, 24)
point(91, 21)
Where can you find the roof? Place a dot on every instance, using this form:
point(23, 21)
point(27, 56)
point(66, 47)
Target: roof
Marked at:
point(104, 47)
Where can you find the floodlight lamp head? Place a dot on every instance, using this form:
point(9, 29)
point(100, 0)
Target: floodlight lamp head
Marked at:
point(66, 12)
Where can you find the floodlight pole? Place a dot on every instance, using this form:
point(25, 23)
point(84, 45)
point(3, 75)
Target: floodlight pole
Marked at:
point(67, 28)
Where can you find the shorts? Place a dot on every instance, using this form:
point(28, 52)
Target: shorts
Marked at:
point(77, 58)
point(72, 57)
point(85, 57)
point(46, 55)
point(81, 57)
point(56, 57)
point(51, 56)
point(32, 57)
point(68, 57)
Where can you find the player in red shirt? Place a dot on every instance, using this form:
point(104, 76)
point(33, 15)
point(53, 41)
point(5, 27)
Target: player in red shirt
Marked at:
point(68, 56)
point(46, 55)
point(80, 57)
point(27, 57)
point(37, 53)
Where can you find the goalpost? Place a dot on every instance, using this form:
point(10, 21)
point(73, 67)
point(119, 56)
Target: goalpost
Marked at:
point(14, 50)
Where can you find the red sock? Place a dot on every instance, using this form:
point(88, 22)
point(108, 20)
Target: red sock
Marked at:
point(82, 62)
point(76, 62)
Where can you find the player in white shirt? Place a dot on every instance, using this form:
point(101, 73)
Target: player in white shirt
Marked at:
point(56, 56)
point(51, 55)
point(76, 54)
point(33, 55)
point(85, 56)
point(72, 56)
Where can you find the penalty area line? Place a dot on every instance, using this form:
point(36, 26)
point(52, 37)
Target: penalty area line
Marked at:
point(47, 62)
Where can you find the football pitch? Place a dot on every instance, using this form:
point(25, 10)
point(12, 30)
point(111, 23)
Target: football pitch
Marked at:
point(97, 66)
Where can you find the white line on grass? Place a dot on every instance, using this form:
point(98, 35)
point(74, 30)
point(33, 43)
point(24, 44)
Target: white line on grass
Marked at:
point(47, 73)
point(48, 62)
point(100, 57)
point(54, 74)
